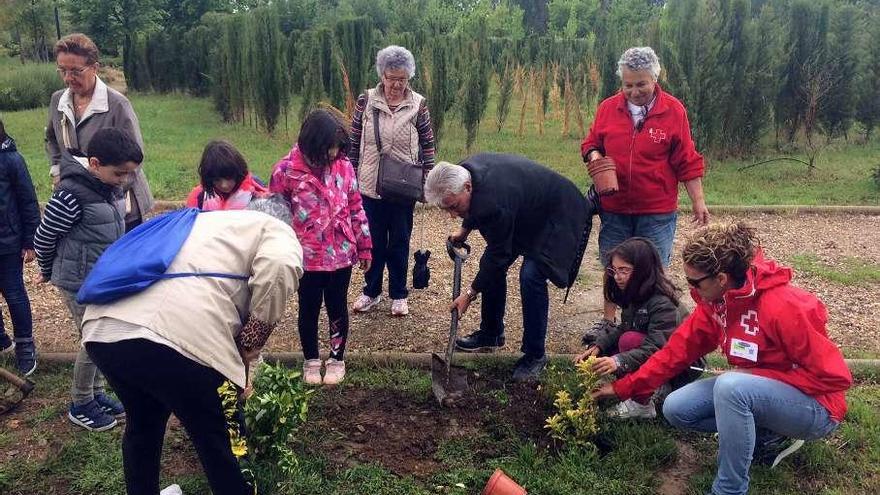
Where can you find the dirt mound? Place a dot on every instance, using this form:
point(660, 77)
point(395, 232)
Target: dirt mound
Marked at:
point(403, 434)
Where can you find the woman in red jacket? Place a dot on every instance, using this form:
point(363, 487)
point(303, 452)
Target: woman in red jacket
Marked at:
point(789, 379)
point(645, 132)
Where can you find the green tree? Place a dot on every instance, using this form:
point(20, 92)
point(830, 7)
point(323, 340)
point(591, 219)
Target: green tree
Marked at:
point(839, 108)
point(31, 26)
point(868, 112)
point(475, 83)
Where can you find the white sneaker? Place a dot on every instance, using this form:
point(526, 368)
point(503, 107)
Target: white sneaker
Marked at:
point(312, 371)
point(334, 371)
point(172, 490)
point(630, 409)
point(365, 303)
point(399, 307)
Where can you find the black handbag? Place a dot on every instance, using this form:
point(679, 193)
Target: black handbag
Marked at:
point(398, 181)
point(421, 272)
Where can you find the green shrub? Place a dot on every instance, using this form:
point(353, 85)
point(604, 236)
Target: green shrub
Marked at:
point(875, 175)
point(27, 86)
point(274, 413)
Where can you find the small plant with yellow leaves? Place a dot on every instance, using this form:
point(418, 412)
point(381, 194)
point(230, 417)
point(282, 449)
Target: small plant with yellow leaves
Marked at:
point(575, 420)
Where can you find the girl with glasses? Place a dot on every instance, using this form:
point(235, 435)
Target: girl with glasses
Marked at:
point(635, 281)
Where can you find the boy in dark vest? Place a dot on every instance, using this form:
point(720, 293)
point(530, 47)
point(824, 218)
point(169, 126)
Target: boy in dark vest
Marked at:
point(81, 220)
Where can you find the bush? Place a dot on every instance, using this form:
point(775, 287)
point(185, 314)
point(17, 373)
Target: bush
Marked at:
point(275, 412)
point(575, 422)
point(27, 86)
point(875, 174)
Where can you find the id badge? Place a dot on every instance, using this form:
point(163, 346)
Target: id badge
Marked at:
point(743, 349)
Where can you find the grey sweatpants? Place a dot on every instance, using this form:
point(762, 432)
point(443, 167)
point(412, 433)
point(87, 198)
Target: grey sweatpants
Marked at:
point(87, 379)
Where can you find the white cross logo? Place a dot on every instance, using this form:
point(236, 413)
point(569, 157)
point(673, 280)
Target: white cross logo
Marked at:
point(658, 135)
point(749, 322)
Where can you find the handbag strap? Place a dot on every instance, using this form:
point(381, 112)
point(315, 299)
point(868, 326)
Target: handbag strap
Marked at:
point(376, 129)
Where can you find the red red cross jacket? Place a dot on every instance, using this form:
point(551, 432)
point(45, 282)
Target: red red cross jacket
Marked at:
point(767, 327)
point(652, 160)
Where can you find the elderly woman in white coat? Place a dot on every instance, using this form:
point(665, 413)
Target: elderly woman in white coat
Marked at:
point(405, 134)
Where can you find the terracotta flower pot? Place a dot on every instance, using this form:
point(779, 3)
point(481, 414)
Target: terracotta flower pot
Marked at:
point(501, 484)
point(604, 174)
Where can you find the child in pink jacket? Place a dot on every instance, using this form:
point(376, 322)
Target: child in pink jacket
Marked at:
point(329, 220)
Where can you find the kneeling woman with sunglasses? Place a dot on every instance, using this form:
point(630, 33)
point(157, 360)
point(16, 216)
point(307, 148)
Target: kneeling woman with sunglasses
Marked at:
point(650, 311)
point(788, 380)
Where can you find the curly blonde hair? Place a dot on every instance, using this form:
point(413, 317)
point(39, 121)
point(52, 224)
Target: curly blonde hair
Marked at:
point(722, 248)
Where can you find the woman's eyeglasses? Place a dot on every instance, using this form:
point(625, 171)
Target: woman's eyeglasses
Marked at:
point(72, 72)
point(622, 271)
point(695, 282)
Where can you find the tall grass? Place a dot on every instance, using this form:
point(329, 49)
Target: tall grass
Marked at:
point(26, 86)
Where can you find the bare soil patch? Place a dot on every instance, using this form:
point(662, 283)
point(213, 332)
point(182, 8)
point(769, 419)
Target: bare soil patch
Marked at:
point(853, 311)
point(401, 433)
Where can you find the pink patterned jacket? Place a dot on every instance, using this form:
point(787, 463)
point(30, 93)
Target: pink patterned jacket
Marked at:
point(328, 216)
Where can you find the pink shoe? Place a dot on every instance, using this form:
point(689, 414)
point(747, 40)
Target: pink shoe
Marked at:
point(365, 303)
point(334, 371)
point(399, 307)
point(312, 371)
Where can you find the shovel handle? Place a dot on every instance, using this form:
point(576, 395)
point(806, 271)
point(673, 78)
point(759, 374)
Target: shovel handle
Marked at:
point(23, 384)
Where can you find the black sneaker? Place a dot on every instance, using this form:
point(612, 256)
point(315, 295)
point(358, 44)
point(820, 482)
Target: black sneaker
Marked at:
point(7, 345)
point(479, 341)
point(772, 450)
point(600, 328)
point(528, 368)
point(26, 358)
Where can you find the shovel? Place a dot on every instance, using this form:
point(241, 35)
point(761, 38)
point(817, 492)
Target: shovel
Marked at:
point(11, 397)
point(450, 382)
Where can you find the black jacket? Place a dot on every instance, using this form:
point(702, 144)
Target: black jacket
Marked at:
point(523, 208)
point(19, 211)
point(657, 318)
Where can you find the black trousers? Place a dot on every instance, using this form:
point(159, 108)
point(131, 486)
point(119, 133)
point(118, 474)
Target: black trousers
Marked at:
point(331, 288)
point(153, 381)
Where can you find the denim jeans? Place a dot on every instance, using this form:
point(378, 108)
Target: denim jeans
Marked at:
point(660, 229)
point(391, 227)
point(743, 407)
point(14, 292)
point(535, 307)
point(87, 378)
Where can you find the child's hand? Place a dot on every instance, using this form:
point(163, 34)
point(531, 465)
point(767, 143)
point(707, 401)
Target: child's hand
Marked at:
point(365, 265)
point(39, 278)
point(591, 351)
point(28, 255)
point(606, 391)
point(605, 365)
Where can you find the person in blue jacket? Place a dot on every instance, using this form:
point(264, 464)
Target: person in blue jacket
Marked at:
point(19, 217)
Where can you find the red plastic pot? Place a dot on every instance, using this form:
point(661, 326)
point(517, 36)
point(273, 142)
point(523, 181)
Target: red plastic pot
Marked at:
point(501, 484)
point(604, 174)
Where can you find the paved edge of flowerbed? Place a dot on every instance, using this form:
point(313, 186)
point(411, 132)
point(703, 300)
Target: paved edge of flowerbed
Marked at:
point(414, 359)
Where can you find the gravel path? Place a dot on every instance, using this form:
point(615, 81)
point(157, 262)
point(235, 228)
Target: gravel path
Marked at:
point(854, 311)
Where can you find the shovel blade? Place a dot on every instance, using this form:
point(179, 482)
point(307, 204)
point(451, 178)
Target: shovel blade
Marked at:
point(449, 383)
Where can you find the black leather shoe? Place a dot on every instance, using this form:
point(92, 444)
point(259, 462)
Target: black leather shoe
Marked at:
point(528, 368)
point(479, 341)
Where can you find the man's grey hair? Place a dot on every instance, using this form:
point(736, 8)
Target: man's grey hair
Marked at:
point(639, 58)
point(395, 57)
point(274, 205)
point(445, 179)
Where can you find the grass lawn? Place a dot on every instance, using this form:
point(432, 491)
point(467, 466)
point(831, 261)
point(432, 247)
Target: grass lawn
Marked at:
point(176, 128)
point(382, 433)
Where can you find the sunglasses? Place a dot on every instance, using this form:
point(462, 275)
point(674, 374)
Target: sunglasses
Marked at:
point(695, 282)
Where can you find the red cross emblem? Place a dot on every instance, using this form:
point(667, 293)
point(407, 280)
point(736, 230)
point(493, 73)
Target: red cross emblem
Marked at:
point(658, 135)
point(749, 322)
